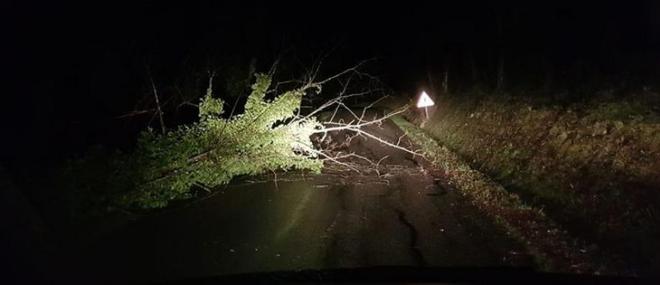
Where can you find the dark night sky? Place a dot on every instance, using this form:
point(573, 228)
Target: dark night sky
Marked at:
point(83, 62)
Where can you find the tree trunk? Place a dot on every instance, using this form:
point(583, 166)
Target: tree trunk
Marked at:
point(500, 74)
point(429, 75)
point(445, 81)
point(500, 62)
point(474, 72)
point(445, 78)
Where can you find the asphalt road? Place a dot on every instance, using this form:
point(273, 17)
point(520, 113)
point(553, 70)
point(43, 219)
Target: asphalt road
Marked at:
point(402, 214)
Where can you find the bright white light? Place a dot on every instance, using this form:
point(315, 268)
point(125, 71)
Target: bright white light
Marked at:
point(424, 100)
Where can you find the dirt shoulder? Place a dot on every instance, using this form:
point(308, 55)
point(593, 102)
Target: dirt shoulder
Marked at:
point(552, 246)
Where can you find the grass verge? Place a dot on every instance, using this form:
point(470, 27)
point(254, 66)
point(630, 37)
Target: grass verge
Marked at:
point(552, 247)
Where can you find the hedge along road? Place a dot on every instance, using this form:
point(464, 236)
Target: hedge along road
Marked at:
point(403, 214)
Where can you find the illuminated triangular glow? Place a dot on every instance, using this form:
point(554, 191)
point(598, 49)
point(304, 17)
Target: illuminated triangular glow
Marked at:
point(424, 100)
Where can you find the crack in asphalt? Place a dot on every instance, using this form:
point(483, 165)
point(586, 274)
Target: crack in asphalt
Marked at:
point(414, 250)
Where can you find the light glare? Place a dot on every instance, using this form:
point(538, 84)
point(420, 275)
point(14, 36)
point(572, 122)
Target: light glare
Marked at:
point(424, 100)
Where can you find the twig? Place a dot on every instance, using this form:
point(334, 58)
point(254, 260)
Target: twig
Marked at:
point(351, 126)
point(277, 187)
point(155, 92)
point(334, 160)
point(135, 113)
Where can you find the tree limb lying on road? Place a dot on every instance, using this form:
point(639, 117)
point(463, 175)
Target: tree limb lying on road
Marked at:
point(270, 135)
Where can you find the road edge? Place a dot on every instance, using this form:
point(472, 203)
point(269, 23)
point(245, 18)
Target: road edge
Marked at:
point(553, 249)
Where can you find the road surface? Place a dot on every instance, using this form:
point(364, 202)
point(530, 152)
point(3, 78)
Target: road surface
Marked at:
point(402, 214)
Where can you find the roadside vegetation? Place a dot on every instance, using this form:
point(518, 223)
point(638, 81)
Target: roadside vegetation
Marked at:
point(551, 247)
point(592, 166)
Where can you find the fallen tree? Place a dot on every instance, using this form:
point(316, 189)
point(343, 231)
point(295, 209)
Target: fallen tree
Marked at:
point(270, 135)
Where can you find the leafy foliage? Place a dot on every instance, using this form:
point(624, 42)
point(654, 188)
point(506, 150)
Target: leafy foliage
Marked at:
point(211, 151)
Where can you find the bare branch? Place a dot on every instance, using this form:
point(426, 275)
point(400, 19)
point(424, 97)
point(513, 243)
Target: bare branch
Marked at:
point(135, 113)
point(350, 126)
point(351, 69)
point(331, 102)
point(334, 160)
point(155, 92)
point(187, 103)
